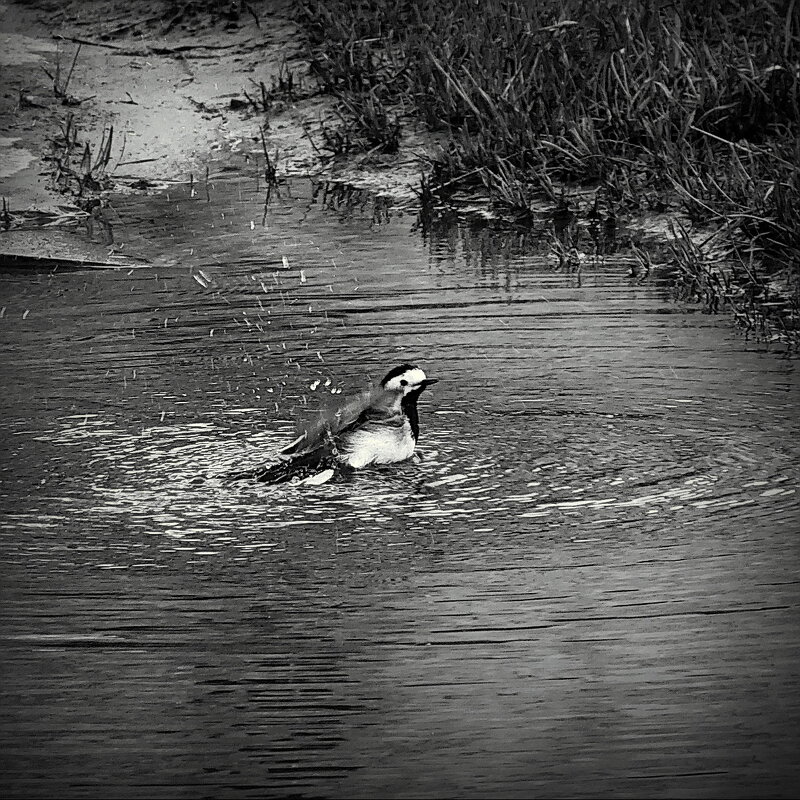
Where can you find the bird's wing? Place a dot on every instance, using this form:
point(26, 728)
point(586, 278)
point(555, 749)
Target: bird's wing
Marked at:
point(334, 420)
point(382, 415)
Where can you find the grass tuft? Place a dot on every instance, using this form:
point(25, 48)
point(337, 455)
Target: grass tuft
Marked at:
point(666, 106)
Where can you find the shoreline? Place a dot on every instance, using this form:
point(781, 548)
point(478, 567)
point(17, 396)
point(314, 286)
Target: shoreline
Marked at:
point(99, 102)
point(172, 103)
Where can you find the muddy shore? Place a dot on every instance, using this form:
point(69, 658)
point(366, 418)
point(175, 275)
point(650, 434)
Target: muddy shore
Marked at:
point(100, 97)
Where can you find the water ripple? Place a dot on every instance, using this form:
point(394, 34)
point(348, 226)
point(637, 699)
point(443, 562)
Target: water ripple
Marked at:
point(595, 555)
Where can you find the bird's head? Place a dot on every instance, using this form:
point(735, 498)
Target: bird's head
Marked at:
point(406, 379)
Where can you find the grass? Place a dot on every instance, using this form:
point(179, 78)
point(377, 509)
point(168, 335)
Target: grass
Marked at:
point(667, 106)
point(61, 83)
point(77, 169)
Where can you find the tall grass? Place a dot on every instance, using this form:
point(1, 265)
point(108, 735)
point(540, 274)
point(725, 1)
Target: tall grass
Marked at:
point(671, 103)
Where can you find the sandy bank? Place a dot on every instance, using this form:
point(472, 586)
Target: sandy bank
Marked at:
point(175, 90)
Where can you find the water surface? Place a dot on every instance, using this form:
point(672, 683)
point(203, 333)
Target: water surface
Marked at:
point(587, 587)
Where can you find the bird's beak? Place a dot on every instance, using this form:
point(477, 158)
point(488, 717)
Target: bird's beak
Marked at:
point(429, 382)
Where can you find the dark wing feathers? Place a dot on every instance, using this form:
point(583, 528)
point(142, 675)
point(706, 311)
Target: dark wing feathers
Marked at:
point(299, 466)
point(334, 421)
point(315, 446)
point(386, 416)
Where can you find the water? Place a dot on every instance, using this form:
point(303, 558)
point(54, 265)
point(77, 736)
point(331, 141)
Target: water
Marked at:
point(587, 587)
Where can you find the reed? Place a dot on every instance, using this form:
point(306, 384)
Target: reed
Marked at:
point(77, 168)
point(61, 83)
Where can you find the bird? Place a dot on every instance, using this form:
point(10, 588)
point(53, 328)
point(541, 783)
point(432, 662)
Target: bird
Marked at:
point(376, 427)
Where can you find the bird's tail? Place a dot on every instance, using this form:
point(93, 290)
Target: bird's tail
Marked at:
point(268, 473)
point(301, 466)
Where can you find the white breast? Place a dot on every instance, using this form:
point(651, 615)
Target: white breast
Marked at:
point(379, 444)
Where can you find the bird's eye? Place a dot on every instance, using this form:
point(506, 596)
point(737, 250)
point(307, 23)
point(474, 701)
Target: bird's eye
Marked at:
point(404, 382)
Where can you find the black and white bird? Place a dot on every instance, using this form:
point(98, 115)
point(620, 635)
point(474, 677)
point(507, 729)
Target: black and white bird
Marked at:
point(378, 426)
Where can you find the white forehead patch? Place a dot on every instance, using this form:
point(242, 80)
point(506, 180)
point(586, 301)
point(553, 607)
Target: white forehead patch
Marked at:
point(408, 379)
